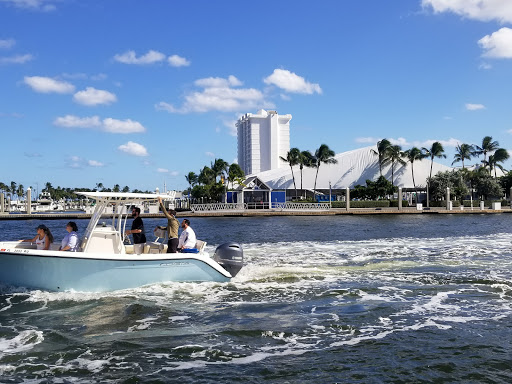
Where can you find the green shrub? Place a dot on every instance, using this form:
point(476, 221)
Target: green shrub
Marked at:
point(362, 204)
point(394, 203)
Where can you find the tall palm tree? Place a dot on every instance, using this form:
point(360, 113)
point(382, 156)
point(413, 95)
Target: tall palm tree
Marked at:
point(191, 180)
point(206, 176)
point(12, 190)
point(292, 158)
point(436, 150)
point(235, 173)
point(382, 151)
point(412, 155)
point(305, 159)
point(323, 155)
point(487, 146)
point(395, 155)
point(463, 152)
point(499, 156)
point(220, 168)
point(20, 191)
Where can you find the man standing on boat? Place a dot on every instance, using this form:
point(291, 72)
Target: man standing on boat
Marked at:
point(139, 237)
point(187, 238)
point(172, 228)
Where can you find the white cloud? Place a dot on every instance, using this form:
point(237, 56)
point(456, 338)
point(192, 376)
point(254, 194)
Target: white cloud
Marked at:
point(92, 96)
point(48, 85)
point(34, 5)
point(7, 43)
point(122, 126)
point(174, 173)
point(218, 95)
point(70, 121)
point(130, 57)
point(474, 107)
point(134, 149)
point(498, 45)
point(210, 154)
point(231, 125)
point(162, 170)
point(107, 125)
point(483, 10)
point(367, 140)
point(17, 59)
point(178, 61)
point(94, 163)
point(485, 66)
point(291, 82)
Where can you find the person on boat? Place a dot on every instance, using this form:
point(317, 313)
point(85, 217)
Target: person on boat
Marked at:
point(137, 231)
point(173, 226)
point(70, 241)
point(43, 239)
point(187, 238)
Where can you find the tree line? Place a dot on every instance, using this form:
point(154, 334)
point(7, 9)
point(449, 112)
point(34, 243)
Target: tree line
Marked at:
point(15, 190)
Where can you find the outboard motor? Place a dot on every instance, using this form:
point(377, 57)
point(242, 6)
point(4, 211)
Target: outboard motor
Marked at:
point(230, 256)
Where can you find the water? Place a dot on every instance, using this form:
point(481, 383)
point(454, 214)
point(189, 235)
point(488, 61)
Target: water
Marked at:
point(379, 299)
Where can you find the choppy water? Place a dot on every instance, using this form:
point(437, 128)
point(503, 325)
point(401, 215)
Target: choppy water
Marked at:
point(398, 299)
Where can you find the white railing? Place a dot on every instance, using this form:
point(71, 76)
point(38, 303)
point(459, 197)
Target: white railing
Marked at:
point(273, 206)
point(301, 206)
point(217, 207)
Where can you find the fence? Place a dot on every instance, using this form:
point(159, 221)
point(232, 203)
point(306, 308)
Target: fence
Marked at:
point(275, 206)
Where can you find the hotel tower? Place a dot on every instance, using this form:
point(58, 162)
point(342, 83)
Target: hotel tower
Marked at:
point(262, 138)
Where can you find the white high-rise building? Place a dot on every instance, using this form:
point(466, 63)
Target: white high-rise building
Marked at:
point(262, 138)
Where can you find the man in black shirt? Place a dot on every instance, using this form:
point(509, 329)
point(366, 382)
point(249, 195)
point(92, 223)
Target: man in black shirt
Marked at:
point(139, 237)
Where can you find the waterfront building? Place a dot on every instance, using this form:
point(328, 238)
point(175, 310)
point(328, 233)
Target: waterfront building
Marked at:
point(262, 138)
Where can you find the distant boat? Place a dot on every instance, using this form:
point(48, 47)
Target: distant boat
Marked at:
point(105, 263)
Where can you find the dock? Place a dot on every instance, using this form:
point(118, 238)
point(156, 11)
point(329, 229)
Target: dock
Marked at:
point(266, 213)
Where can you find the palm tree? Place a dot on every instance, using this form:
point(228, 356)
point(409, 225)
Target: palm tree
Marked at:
point(463, 152)
point(395, 155)
point(117, 188)
point(99, 186)
point(292, 158)
point(191, 180)
point(382, 151)
point(206, 176)
point(323, 155)
point(235, 173)
point(306, 159)
point(20, 191)
point(126, 189)
point(487, 146)
point(499, 156)
point(412, 155)
point(12, 190)
point(220, 168)
point(436, 150)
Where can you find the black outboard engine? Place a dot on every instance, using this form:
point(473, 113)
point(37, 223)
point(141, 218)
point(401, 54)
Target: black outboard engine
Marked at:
point(230, 256)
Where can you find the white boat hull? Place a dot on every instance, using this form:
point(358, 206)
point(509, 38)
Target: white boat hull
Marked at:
point(63, 271)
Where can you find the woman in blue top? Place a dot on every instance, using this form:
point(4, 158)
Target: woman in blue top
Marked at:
point(70, 241)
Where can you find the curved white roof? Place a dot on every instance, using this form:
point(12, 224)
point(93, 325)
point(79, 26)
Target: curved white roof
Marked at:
point(353, 168)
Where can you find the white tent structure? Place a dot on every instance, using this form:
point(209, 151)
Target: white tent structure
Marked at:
point(353, 168)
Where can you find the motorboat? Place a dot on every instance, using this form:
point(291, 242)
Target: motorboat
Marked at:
point(104, 262)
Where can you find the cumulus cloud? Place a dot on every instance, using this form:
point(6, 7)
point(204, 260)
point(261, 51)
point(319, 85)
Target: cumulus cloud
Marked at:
point(497, 45)
point(70, 121)
point(178, 61)
point(107, 125)
point(16, 59)
point(134, 149)
point(218, 94)
point(92, 96)
point(94, 163)
point(122, 126)
point(291, 82)
point(7, 43)
point(483, 10)
point(130, 57)
point(48, 85)
point(78, 162)
point(162, 170)
point(210, 154)
point(474, 107)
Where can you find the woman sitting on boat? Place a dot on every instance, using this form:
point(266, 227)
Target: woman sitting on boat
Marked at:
point(70, 241)
point(43, 239)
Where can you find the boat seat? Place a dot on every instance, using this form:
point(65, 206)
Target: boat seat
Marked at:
point(153, 247)
point(200, 244)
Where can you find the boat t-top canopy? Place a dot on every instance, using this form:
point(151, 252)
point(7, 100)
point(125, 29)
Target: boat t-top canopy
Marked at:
point(124, 197)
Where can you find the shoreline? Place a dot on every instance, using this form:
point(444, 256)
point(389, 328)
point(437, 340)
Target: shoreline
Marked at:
point(264, 213)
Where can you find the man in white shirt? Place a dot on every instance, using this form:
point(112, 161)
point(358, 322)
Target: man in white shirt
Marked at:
point(188, 236)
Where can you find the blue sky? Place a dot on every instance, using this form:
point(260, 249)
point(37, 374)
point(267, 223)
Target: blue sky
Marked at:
point(141, 93)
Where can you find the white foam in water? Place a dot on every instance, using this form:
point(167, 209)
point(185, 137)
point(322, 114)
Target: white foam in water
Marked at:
point(22, 342)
